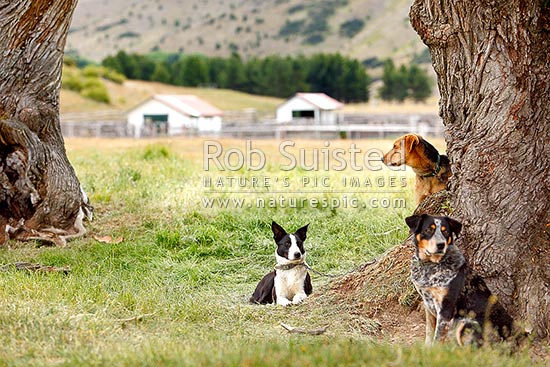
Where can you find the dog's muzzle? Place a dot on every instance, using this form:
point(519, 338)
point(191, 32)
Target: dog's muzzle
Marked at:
point(297, 256)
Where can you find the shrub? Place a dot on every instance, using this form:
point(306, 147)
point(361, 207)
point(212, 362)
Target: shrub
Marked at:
point(106, 27)
point(113, 76)
point(291, 28)
point(351, 27)
point(71, 81)
point(95, 90)
point(318, 26)
point(130, 34)
point(92, 71)
point(296, 8)
point(314, 39)
point(97, 94)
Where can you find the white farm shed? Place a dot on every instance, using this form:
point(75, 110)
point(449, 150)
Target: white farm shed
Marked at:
point(173, 114)
point(317, 107)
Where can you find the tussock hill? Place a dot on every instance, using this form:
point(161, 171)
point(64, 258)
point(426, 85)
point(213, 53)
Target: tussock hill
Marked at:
point(363, 29)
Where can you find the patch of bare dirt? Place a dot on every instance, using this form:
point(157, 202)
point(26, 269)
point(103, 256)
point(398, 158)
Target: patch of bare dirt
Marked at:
point(382, 290)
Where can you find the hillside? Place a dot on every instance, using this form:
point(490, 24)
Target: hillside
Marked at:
point(133, 92)
point(363, 29)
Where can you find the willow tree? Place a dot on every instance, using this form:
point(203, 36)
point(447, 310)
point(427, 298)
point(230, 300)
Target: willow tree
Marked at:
point(492, 60)
point(40, 195)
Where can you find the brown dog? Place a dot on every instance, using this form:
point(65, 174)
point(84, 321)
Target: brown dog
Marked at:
point(432, 169)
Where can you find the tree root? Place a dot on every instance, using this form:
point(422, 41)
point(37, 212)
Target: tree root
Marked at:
point(40, 195)
point(56, 236)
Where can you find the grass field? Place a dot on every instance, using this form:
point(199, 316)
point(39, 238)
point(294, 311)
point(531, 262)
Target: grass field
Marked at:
point(175, 291)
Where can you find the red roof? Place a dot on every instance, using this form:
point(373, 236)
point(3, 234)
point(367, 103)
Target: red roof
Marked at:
point(188, 104)
point(321, 100)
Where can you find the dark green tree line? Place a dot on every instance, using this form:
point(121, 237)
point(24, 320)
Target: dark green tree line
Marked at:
point(280, 76)
point(404, 82)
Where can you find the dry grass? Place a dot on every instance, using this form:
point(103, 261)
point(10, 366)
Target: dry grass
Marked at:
point(133, 92)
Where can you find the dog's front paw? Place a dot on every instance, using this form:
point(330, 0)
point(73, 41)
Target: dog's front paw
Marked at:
point(283, 301)
point(299, 298)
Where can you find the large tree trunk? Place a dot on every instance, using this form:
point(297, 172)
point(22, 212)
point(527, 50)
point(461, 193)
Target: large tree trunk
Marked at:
point(40, 195)
point(492, 60)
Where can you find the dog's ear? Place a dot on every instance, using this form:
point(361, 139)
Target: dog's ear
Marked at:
point(455, 225)
point(278, 231)
point(414, 222)
point(301, 233)
point(410, 141)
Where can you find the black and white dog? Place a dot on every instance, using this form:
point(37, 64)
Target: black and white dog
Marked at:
point(290, 282)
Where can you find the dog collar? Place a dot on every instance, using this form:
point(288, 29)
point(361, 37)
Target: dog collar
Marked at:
point(288, 266)
point(436, 170)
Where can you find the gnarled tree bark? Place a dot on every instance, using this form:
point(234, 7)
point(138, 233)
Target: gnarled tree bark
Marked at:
point(492, 61)
point(40, 195)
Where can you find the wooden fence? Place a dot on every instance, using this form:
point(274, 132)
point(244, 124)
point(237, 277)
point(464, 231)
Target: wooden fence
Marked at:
point(350, 126)
point(110, 123)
